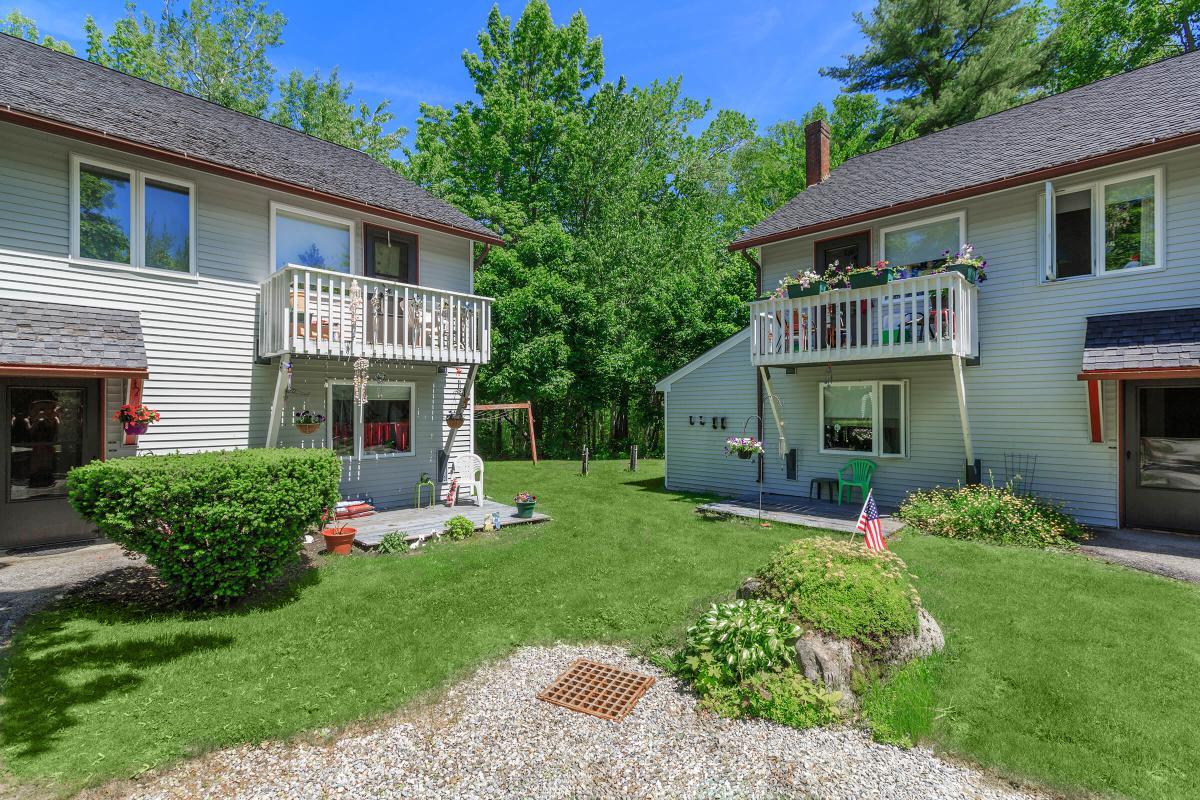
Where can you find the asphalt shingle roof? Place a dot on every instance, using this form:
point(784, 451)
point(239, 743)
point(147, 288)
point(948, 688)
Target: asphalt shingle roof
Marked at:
point(1150, 104)
point(1143, 340)
point(39, 81)
point(56, 335)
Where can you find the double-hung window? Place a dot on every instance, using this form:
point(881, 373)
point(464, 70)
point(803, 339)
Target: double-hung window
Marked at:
point(924, 244)
point(1102, 228)
point(380, 427)
point(864, 418)
point(310, 239)
point(132, 218)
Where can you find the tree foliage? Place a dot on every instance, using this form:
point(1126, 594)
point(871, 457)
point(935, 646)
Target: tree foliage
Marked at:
point(949, 61)
point(213, 49)
point(1097, 38)
point(21, 26)
point(326, 109)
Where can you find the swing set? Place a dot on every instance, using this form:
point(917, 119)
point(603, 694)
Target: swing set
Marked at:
point(503, 411)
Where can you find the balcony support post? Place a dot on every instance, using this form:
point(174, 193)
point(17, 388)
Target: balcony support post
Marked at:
point(277, 402)
point(960, 388)
point(776, 410)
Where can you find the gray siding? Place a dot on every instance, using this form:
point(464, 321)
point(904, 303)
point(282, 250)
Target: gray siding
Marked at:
point(199, 329)
point(1023, 397)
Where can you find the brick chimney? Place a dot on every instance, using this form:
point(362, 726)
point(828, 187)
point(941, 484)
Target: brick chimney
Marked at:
point(816, 152)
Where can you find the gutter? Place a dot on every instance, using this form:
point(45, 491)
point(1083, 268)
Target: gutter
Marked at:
point(1114, 157)
point(26, 120)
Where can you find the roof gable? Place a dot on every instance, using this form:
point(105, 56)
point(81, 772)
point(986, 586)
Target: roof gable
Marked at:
point(1152, 105)
point(49, 85)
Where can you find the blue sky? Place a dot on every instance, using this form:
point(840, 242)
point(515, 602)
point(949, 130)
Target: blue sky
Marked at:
point(757, 57)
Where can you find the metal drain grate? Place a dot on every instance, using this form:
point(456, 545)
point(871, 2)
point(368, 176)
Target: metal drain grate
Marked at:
point(597, 689)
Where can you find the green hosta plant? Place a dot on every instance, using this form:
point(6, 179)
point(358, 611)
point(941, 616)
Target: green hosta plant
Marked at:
point(459, 527)
point(735, 641)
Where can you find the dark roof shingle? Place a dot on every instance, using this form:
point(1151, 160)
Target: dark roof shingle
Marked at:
point(55, 335)
point(1147, 105)
point(38, 81)
point(1167, 339)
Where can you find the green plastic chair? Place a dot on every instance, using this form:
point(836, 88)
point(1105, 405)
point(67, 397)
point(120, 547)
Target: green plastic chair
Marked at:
point(860, 470)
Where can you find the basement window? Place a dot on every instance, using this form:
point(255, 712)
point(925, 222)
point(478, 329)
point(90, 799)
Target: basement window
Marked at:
point(864, 418)
point(381, 427)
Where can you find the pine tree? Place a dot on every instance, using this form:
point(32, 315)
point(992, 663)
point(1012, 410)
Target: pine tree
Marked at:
point(950, 61)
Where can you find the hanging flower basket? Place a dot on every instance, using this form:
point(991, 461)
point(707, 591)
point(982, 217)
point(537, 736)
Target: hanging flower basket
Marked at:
point(455, 421)
point(308, 422)
point(744, 447)
point(136, 418)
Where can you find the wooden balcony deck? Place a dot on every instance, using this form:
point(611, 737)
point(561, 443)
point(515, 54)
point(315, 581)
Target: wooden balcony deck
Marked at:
point(929, 315)
point(309, 311)
point(824, 514)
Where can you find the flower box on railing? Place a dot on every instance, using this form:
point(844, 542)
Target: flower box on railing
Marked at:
point(795, 290)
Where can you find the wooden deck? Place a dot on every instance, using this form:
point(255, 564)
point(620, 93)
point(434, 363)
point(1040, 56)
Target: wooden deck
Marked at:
point(419, 524)
point(799, 511)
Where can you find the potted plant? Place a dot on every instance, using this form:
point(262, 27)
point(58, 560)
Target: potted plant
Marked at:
point(454, 420)
point(743, 446)
point(136, 418)
point(877, 274)
point(966, 263)
point(525, 502)
point(307, 422)
point(802, 284)
point(339, 537)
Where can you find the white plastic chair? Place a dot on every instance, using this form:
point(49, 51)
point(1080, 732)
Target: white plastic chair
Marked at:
point(468, 469)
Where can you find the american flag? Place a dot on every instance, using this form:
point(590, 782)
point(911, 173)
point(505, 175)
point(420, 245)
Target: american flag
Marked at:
point(868, 525)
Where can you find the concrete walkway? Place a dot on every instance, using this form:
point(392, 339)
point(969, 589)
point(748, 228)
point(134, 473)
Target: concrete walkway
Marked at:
point(1175, 555)
point(31, 580)
point(798, 511)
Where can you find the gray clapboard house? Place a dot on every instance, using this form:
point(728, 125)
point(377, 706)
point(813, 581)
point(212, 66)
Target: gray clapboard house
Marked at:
point(228, 272)
point(1077, 362)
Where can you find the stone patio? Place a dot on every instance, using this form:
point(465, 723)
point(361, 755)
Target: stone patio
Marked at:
point(419, 524)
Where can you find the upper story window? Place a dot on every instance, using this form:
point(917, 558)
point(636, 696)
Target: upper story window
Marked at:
point(868, 418)
point(1103, 227)
point(125, 216)
point(310, 239)
point(923, 244)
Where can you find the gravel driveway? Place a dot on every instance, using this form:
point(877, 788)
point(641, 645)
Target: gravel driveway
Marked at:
point(489, 737)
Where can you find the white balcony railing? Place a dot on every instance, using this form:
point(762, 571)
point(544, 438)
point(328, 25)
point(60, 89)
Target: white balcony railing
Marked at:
point(307, 311)
point(929, 315)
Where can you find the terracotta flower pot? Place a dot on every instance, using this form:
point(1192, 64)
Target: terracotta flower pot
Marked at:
point(308, 428)
point(136, 428)
point(339, 543)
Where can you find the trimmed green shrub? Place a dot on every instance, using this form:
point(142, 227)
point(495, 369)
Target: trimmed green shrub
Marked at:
point(215, 525)
point(842, 588)
point(393, 542)
point(990, 514)
point(459, 527)
point(785, 697)
point(734, 641)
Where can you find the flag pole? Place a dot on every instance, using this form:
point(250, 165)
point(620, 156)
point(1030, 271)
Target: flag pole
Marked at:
point(866, 499)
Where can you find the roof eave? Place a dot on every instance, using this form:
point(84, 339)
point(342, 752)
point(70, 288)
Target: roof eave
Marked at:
point(25, 119)
point(1081, 165)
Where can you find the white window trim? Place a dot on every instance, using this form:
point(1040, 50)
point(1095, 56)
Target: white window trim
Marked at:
point(1096, 188)
point(349, 224)
point(876, 419)
point(137, 217)
point(358, 420)
point(961, 216)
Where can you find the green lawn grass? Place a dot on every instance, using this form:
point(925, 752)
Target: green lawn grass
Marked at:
point(1057, 667)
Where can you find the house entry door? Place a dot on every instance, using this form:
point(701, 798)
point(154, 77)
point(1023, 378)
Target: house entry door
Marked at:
point(53, 425)
point(1162, 455)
